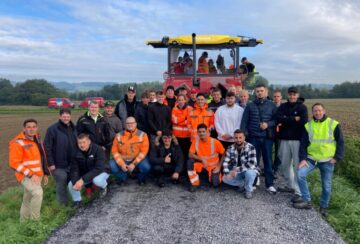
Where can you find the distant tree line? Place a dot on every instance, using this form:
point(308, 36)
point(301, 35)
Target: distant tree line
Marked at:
point(37, 91)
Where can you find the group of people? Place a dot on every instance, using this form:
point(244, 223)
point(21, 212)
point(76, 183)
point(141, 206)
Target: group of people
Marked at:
point(180, 139)
point(184, 65)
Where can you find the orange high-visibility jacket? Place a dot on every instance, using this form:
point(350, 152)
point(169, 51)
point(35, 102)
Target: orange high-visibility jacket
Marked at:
point(25, 157)
point(179, 119)
point(130, 146)
point(200, 116)
point(203, 66)
point(208, 150)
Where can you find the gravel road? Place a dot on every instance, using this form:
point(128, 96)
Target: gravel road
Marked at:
point(149, 214)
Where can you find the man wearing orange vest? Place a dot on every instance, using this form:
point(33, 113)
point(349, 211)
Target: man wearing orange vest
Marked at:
point(27, 157)
point(130, 148)
point(204, 154)
point(200, 115)
point(203, 66)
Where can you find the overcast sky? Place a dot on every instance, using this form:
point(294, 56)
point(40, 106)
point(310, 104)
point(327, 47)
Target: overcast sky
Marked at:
point(308, 41)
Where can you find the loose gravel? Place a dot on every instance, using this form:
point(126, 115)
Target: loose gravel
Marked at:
point(149, 214)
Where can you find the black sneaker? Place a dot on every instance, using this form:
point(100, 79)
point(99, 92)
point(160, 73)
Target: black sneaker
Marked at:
point(302, 205)
point(141, 182)
point(324, 212)
point(76, 204)
point(161, 184)
point(193, 188)
point(285, 189)
point(103, 192)
point(296, 198)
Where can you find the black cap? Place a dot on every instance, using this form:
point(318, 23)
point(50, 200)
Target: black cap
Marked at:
point(243, 59)
point(109, 104)
point(167, 132)
point(131, 88)
point(293, 89)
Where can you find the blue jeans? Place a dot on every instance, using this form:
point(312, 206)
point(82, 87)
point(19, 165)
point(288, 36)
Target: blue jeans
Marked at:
point(245, 178)
point(326, 172)
point(100, 181)
point(263, 147)
point(143, 170)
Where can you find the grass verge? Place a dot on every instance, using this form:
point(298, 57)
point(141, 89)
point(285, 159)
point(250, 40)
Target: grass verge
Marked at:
point(344, 208)
point(52, 216)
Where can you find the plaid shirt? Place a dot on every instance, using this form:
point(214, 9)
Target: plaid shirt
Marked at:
point(247, 158)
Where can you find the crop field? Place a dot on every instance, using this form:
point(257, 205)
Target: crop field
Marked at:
point(347, 111)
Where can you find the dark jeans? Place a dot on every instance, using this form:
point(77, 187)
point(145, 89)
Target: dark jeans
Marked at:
point(184, 144)
point(263, 148)
point(62, 178)
point(142, 168)
point(163, 170)
point(277, 161)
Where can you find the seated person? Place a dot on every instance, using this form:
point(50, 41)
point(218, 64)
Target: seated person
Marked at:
point(220, 64)
point(87, 168)
point(188, 67)
point(179, 66)
point(129, 150)
point(204, 154)
point(240, 164)
point(166, 158)
point(203, 66)
point(212, 68)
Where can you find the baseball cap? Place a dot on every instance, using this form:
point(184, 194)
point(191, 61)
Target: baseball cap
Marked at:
point(109, 104)
point(131, 88)
point(194, 90)
point(293, 89)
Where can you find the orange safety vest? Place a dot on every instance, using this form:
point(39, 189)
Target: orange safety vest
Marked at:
point(207, 151)
point(203, 66)
point(200, 116)
point(179, 119)
point(130, 146)
point(25, 157)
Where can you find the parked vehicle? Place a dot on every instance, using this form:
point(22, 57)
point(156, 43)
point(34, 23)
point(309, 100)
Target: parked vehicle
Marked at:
point(60, 102)
point(86, 101)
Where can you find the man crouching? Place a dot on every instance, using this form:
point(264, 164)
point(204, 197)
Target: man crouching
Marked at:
point(240, 164)
point(87, 167)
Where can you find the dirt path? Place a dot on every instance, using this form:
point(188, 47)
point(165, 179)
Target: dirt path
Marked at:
point(148, 214)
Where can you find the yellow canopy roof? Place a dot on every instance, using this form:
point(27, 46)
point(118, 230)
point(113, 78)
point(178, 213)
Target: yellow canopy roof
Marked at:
point(206, 40)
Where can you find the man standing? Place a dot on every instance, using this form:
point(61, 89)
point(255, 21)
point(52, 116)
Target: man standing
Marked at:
point(204, 154)
point(166, 158)
point(227, 120)
point(159, 116)
point(277, 162)
point(321, 146)
point(129, 150)
point(170, 99)
point(60, 144)
point(192, 100)
point(87, 168)
point(291, 118)
point(216, 101)
point(27, 157)
point(258, 122)
point(127, 107)
point(244, 98)
point(246, 67)
point(114, 121)
point(200, 115)
point(240, 164)
point(141, 113)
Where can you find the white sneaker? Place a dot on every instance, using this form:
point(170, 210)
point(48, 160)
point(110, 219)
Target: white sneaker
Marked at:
point(271, 190)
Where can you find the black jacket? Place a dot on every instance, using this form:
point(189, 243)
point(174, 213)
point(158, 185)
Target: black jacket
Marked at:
point(213, 106)
point(100, 132)
point(289, 128)
point(339, 138)
point(87, 165)
point(141, 116)
point(159, 116)
point(125, 109)
point(251, 119)
point(60, 144)
point(158, 154)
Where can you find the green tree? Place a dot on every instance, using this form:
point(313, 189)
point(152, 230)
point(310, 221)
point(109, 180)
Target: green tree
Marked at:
point(6, 91)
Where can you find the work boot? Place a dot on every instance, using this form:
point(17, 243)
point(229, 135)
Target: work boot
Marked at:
point(302, 205)
point(76, 204)
point(285, 189)
point(296, 198)
point(103, 192)
point(193, 188)
point(248, 195)
point(324, 212)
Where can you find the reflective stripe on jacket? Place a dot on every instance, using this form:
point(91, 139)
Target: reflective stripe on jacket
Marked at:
point(25, 157)
point(200, 116)
point(322, 145)
point(179, 121)
point(130, 146)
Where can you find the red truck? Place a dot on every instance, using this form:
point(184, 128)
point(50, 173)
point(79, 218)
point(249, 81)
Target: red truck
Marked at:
point(60, 102)
point(86, 101)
